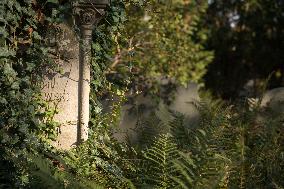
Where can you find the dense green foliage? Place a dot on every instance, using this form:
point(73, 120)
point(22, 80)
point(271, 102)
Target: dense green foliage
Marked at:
point(22, 56)
point(136, 46)
point(232, 147)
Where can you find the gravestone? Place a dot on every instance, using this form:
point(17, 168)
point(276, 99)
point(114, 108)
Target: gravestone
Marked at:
point(274, 100)
point(60, 86)
point(67, 88)
point(145, 106)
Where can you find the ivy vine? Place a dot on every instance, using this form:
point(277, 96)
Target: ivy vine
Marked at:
point(26, 120)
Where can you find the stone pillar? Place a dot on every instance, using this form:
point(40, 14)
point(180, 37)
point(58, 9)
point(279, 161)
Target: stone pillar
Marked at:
point(84, 86)
point(87, 15)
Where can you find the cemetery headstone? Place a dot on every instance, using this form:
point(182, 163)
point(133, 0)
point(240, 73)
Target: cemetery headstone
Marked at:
point(67, 88)
point(274, 99)
point(145, 106)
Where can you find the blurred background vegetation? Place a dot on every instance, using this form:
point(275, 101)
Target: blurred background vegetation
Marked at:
point(149, 47)
point(229, 47)
point(247, 40)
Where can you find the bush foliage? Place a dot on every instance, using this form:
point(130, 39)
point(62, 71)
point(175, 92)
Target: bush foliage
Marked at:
point(136, 45)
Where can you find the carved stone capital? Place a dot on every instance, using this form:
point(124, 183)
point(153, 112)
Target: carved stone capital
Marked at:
point(88, 13)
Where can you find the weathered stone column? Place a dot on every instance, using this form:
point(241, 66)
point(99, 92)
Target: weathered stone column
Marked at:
point(87, 14)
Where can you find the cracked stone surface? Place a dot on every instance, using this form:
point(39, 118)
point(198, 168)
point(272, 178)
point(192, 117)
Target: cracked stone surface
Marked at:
point(60, 88)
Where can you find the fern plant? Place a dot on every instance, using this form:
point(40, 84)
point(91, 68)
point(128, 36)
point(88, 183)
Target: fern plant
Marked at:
point(159, 167)
point(185, 167)
point(232, 147)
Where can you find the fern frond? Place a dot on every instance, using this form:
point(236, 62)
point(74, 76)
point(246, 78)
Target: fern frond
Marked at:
point(159, 161)
point(151, 128)
point(185, 171)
